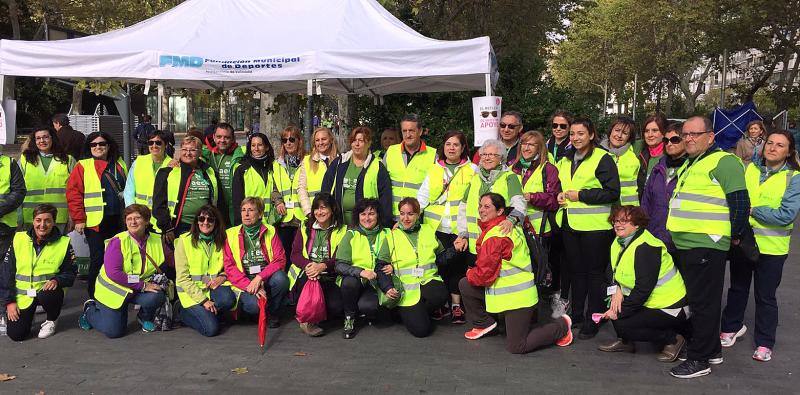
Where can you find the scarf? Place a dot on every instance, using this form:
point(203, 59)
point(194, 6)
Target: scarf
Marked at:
point(675, 162)
point(620, 150)
point(656, 151)
point(489, 177)
point(252, 230)
point(415, 227)
point(291, 160)
point(624, 241)
point(208, 238)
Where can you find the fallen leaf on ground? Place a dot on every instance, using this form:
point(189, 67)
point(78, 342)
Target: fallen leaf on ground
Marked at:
point(6, 377)
point(239, 370)
point(301, 354)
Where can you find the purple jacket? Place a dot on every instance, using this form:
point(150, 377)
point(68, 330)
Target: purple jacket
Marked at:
point(655, 201)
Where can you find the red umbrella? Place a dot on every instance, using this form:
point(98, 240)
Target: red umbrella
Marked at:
point(262, 322)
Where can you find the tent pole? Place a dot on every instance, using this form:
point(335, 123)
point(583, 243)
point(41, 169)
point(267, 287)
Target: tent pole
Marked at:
point(488, 84)
point(309, 112)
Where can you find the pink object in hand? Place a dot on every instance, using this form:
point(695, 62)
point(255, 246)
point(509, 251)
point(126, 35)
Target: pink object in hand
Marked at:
point(597, 317)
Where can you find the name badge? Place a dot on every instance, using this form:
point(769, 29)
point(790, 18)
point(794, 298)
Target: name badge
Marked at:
point(133, 278)
point(418, 272)
point(675, 203)
point(611, 290)
point(30, 292)
point(254, 269)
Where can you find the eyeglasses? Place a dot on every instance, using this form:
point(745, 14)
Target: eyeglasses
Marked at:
point(190, 150)
point(205, 218)
point(155, 142)
point(489, 155)
point(693, 135)
point(508, 126)
point(621, 221)
point(42, 138)
point(672, 140)
point(288, 140)
point(485, 114)
point(100, 144)
point(560, 126)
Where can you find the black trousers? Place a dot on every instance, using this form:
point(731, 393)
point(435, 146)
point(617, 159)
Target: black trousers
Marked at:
point(703, 272)
point(652, 325)
point(558, 264)
point(51, 301)
point(456, 268)
point(332, 292)
point(417, 318)
point(286, 236)
point(766, 275)
point(108, 228)
point(358, 297)
point(588, 261)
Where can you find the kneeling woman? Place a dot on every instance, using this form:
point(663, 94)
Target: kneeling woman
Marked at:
point(356, 259)
point(313, 254)
point(413, 248)
point(649, 300)
point(38, 269)
point(203, 287)
point(502, 282)
point(132, 272)
point(254, 262)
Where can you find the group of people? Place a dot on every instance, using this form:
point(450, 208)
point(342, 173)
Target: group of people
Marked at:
point(638, 232)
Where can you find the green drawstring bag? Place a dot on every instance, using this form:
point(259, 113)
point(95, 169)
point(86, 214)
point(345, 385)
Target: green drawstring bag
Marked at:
point(386, 301)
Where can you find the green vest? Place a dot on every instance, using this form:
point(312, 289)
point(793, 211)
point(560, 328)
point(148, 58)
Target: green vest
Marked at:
point(669, 287)
point(698, 204)
point(628, 165)
point(174, 184)
point(284, 184)
point(514, 287)
point(111, 294)
point(415, 266)
point(45, 187)
point(335, 235)
point(202, 267)
point(500, 186)
point(363, 254)
point(33, 271)
point(9, 219)
point(535, 184)
point(583, 217)
point(406, 180)
point(771, 239)
point(233, 243)
point(313, 183)
point(93, 192)
point(443, 205)
point(144, 179)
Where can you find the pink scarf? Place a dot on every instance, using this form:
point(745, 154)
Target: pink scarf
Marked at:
point(656, 151)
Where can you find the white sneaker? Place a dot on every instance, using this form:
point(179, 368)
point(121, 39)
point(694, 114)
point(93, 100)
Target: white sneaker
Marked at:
point(47, 330)
point(728, 339)
point(559, 306)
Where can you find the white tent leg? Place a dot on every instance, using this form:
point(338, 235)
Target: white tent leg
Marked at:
point(488, 84)
point(309, 118)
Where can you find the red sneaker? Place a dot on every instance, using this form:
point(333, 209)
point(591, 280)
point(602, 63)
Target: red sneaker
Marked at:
point(567, 339)
point(477, 333)
point(457, 315)
point(440, 313)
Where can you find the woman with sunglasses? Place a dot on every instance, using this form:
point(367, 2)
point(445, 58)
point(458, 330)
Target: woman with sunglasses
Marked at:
point(142, 177)
point(308, 181)
point(652, 149)
point(203, 287)
point(621, 137)
point(259, 175)
point(46, 168)
point(661, 184)
point(289, 158)
point(558, 143)
point(94, 197)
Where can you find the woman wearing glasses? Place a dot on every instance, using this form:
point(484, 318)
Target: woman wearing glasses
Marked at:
point(661, 184)
point(142, 177)
point(289, 158)
point(621, 137)
point(558, 143)
point(94, 197)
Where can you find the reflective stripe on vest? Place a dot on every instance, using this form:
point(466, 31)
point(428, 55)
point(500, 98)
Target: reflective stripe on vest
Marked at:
point(535, 184)
point(628, 165)
point(174, 187)
point(313, 183)
point(514, 287)
point(771, 239)
point(443, 205)
point(335, 236)
point(45, 186)
point(144, 180)
point(111, 294)
point(34, 270)
point(408, 258)
point(582, 216)
point(93, 191)
point(284, 184)
point(10, 219)
point(407, 179)
point(500, 186)
point(201, 267)
point(232, 238)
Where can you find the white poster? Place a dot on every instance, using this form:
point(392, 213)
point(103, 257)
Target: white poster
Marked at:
point(8, 115)
point(2, 125)
point(486, 112)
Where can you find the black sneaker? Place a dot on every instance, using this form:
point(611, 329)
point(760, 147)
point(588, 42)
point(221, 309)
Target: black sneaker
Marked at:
point(716, 359)
point(682, 354)
point(690, 369)
point(349, 327)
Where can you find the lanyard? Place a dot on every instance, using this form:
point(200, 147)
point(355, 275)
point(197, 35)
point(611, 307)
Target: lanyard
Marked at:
point(372, 248)
point(218, 163)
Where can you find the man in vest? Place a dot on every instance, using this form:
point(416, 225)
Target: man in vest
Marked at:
point(708, 212)
point(12, 194)
point(408, 162)
point(223, 156)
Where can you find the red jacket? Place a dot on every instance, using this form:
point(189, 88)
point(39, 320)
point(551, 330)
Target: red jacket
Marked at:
point(237, 278)
point(490, 255)
point(75, 190)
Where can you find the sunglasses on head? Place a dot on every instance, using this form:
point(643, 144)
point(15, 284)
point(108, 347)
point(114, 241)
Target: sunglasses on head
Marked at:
point(155, 142)
point(485, 114)
point(560, 126)
point(205, 218)
point(288, 140)
point(673, 140)
point(100, 144)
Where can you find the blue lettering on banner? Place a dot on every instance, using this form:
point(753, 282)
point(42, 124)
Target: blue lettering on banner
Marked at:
point(180, 61)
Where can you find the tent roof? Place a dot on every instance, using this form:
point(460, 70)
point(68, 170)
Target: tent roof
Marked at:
point(351, 46)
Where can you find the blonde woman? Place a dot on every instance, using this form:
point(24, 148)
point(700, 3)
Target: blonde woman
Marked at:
point(308, 179)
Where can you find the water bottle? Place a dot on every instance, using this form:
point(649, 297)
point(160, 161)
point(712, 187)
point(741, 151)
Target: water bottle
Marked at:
point(3, 324)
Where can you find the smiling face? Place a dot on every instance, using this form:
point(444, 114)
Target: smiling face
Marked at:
point(291, 144)
point(560, 128)
point(408, 216)
point(697, 139)
point(487, 211)
point(623, 227)
point(99, 148)
point(620, 133)
point(323, 215)
point(652, 134)
point(43, 140)
point(490, 157)
point(580, 137)
point(322, 142)
point(368, 218)
point(510, 126)
point(43, 224)
point(190, 153)
point(223, 139)
point(754, 131)
point(206, 222)
point(453, 150)
point(528, 149)
point(135, 223)
point(156, 146)
point(674, 150)
point(258, 147)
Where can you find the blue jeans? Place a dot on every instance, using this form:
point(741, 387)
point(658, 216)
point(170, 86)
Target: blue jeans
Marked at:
point(113, 322)
point(277, 287)
point(204, 321)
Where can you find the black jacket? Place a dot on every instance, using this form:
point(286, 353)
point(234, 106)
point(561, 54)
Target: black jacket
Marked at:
point(8, 268)
point(160, 207)
point(606, 172)
point(15, 196)
point(336, 172)
point(237, 188)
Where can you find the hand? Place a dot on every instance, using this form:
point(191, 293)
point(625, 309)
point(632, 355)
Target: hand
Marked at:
point(169, 237)
point(174, 163)
point(261, 294)
point(393, 294)
point(506, 226)
point(150, 287)
point(572, 195)
point(610, 315)
point(70, 226)
point(216, 282)
point(387, 270)
point(210, 306)
point(80, 227)
point(368, 274)
point(12, 311)
point(396, 224)
point(313, 270)
point(460, 244)
point(255, 285)
point(527, 196)
point(616, 301)
point(562, 200)
point(50, 285)
point(281, 208)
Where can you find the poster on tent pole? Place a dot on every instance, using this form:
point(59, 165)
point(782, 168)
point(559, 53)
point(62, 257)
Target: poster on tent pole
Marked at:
point(486, 112)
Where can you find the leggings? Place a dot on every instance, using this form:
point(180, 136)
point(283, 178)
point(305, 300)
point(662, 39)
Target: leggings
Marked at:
point(652, 325)
point(51, 301)
point(417, 318)
point(358, 297)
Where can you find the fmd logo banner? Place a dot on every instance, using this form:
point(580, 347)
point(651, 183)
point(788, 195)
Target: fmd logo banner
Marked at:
point(180, 61)
point(228, 66)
